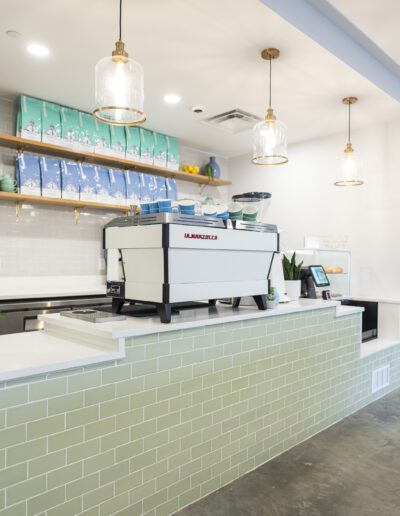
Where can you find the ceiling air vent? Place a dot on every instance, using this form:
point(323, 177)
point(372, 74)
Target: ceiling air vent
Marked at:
point(234, 121)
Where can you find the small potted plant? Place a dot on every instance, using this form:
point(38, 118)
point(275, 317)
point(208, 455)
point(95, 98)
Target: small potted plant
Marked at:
point(271, 298)
point(291, 273)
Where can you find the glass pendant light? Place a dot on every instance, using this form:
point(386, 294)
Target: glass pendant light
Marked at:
point(119, 89)
point(348, 170)
point(269, 135)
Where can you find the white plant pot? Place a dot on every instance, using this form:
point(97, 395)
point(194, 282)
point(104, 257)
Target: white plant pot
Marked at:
point(293, 289)
point(272, 304)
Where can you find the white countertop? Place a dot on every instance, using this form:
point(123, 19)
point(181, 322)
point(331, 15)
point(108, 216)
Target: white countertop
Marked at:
point(135, 326)
point(66, 343)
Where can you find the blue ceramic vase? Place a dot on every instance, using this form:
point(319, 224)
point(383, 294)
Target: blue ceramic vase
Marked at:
point(212, 169)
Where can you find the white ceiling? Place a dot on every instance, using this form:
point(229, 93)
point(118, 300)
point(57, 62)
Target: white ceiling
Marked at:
point(378, 20)
point(207, 51)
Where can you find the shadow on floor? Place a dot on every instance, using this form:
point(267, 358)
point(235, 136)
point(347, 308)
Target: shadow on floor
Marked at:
point(350, 469)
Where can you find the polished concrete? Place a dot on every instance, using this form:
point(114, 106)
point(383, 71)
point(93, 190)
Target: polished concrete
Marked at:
point(350, 469)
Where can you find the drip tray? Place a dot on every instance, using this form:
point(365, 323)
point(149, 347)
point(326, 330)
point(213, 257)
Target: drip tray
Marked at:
point(142, 310)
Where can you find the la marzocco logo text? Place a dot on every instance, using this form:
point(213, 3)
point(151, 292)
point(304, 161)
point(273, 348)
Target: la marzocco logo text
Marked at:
point(200, 236)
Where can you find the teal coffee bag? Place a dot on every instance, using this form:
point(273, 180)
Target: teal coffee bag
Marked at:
point(102, 138)
point(160, 150)
point(172, 153)
point(132, 143)
point(118, 141)
point(51, 123)
point(70, 128)
point(87, 132)
point(29, 118)
point(146, 146)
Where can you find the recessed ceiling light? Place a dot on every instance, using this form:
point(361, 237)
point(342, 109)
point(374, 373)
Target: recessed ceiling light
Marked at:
point(13, 34)
point(172, 98)
point(37, 50)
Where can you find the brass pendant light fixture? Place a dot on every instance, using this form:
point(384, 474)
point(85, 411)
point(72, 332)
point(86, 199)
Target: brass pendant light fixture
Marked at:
point(119, 86)
point(269, 135)
point(348, 170)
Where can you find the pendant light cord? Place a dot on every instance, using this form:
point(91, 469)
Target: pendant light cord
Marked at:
point(349, 122)
point(270, 82)
point(120, 20)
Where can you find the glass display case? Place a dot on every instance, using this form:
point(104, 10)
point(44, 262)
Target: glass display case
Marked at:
point(336, 263)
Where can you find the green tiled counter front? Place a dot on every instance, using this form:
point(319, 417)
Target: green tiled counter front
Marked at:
point(183, 414)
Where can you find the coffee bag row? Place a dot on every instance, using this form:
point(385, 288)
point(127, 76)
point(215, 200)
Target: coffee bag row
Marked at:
point(65, 179)
point(48, 122)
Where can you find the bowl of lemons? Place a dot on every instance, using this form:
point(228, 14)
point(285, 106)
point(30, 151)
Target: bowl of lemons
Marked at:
point(191, 169)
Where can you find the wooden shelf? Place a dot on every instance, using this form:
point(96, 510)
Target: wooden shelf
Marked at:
point(57, 151)
point(38, 199)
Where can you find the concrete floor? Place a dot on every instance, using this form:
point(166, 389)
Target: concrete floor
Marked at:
point(350, 469)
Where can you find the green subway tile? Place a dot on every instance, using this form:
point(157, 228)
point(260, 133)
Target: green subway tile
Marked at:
point(202, 368)
point(168, 449)
point(182, 345)
point(144, 367)
point(65, 475)
point(18, 509)
point(98, 462)
point(192, 357)
point(171, 335)
point(155, 470)
point(83, 450)
point(201, 449)
point(221, 389)
point(94, 511)
point(200, 477)
point(169, 362)
point(46, 426)
point(167, 479)
point(156, 410)
point(67, 509)
point(114, 504)
point(25, 413)
point(182, 374)
point(46, 463)
point(46, 501)
point(26, 489)
point(13, 396)
point(172, 419)
point(143, 429)
point(155, 440)
point(155, 380)
point(129, 482)
point(143, 399)
point(135, 509)
point(65, 439)
point(116, 374)
point(65, 403)
point(98, 495)
point(179, 488)
point(213, 379)
point(143, 460)
point(2, 459)
point(154, 500)
point(2, 499)
point(2, 418)
point(180, 402)
point(179, 430)
point(189, 497)
point(168, 391)
point(143, 491)
point(112, 473)
point(83, 485)
point(167, 508)
point(129, 450)
point(14, 435)
point(82, 381)
point(113, 407)
point(99, 394)
point(26, 451)
point(114, 439)
point(131, 386)
point(204, 341)
point(203, 395)
point(129, 418)
point(157, 350)
point(82, 416)
point(99, 428)
point(211, 485)
point(13, 475)
point(134, 353)
point(47, 389)
point(191, 385)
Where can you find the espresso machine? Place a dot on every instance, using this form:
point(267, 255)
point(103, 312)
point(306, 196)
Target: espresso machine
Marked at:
point(168, 258)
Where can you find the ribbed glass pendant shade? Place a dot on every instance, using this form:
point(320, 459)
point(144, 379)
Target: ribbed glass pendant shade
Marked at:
point(348, 169)
point(269, 142)
point(119, 91)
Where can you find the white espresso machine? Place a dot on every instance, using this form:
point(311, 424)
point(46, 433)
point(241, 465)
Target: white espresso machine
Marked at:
point(168, 258)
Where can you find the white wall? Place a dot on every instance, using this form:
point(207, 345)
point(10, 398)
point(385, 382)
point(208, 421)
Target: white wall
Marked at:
point(305, 202)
